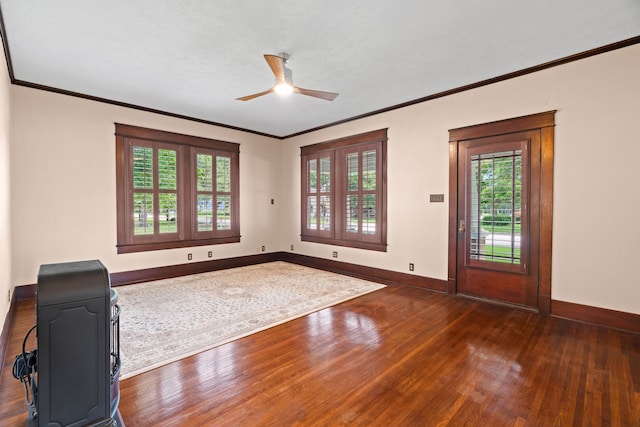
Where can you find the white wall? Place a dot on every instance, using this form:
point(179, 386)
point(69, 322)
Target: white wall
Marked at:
point(63, 184)
point(5, 189)
point(596, 196)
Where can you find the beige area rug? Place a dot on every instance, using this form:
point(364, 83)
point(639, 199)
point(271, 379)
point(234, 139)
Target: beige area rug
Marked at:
point(167, 320)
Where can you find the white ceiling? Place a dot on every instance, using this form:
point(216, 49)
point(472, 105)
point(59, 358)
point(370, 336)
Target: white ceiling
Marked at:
point(194, 57)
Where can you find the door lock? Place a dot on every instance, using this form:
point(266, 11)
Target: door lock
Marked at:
point(461, 226)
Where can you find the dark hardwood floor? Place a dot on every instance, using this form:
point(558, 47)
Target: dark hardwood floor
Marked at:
point(401, 356)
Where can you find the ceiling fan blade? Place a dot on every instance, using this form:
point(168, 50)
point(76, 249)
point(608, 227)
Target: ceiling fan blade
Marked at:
point(329, 96)
point(277, 65)
point(255, 95)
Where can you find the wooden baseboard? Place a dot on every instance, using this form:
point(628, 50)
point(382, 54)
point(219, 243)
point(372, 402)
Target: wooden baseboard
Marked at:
point(595, 315)
point(368, 273)
point(145, 275)
point(544, 304)
point(158, 273)
point(24, 292)
point(572, 311)
point(6, 330)
point(354, 270)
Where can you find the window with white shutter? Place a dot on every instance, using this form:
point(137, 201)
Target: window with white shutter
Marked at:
point(344, 191)
point(174, 190)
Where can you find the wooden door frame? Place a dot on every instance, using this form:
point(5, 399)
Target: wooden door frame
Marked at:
point(543, 122)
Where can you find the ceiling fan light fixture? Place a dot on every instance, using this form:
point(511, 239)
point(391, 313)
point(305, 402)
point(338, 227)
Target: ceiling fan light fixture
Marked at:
point(283, 88)
point(284, 81)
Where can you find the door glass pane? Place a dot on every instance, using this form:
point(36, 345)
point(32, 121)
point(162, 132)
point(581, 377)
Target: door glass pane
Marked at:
point(143, 213)
point(205, 212)
point(168, 211)
point(496, 195)
point(224, 213)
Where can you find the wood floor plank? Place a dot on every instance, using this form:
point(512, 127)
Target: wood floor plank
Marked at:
point(400, 356)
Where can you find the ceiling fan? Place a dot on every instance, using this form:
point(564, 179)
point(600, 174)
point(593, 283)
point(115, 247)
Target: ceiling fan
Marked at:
point(284, 82)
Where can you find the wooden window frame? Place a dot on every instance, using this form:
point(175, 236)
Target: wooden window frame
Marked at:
point(337, 150)
point(185, 146)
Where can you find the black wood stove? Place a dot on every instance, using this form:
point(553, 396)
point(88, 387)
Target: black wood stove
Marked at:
point(78, 346)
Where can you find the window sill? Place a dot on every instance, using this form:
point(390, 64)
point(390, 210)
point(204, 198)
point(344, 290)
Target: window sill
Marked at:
point(380, 247)
point(125, 249)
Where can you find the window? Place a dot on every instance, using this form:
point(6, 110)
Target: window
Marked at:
point(174, 190)
point(344, 191)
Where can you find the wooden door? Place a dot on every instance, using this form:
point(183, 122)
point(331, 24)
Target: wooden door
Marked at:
point(498, 216)
point(501, 210)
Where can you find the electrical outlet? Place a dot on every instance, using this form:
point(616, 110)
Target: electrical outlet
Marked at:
point(210, 254)
point(262, 248)
point(9, 296)
point(189, 257)
point(410, 266)
point(335, 254)
point(291, 247)
point(272, 201)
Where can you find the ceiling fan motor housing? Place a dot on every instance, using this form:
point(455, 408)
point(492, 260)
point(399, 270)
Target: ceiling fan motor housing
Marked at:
point(288, 75)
